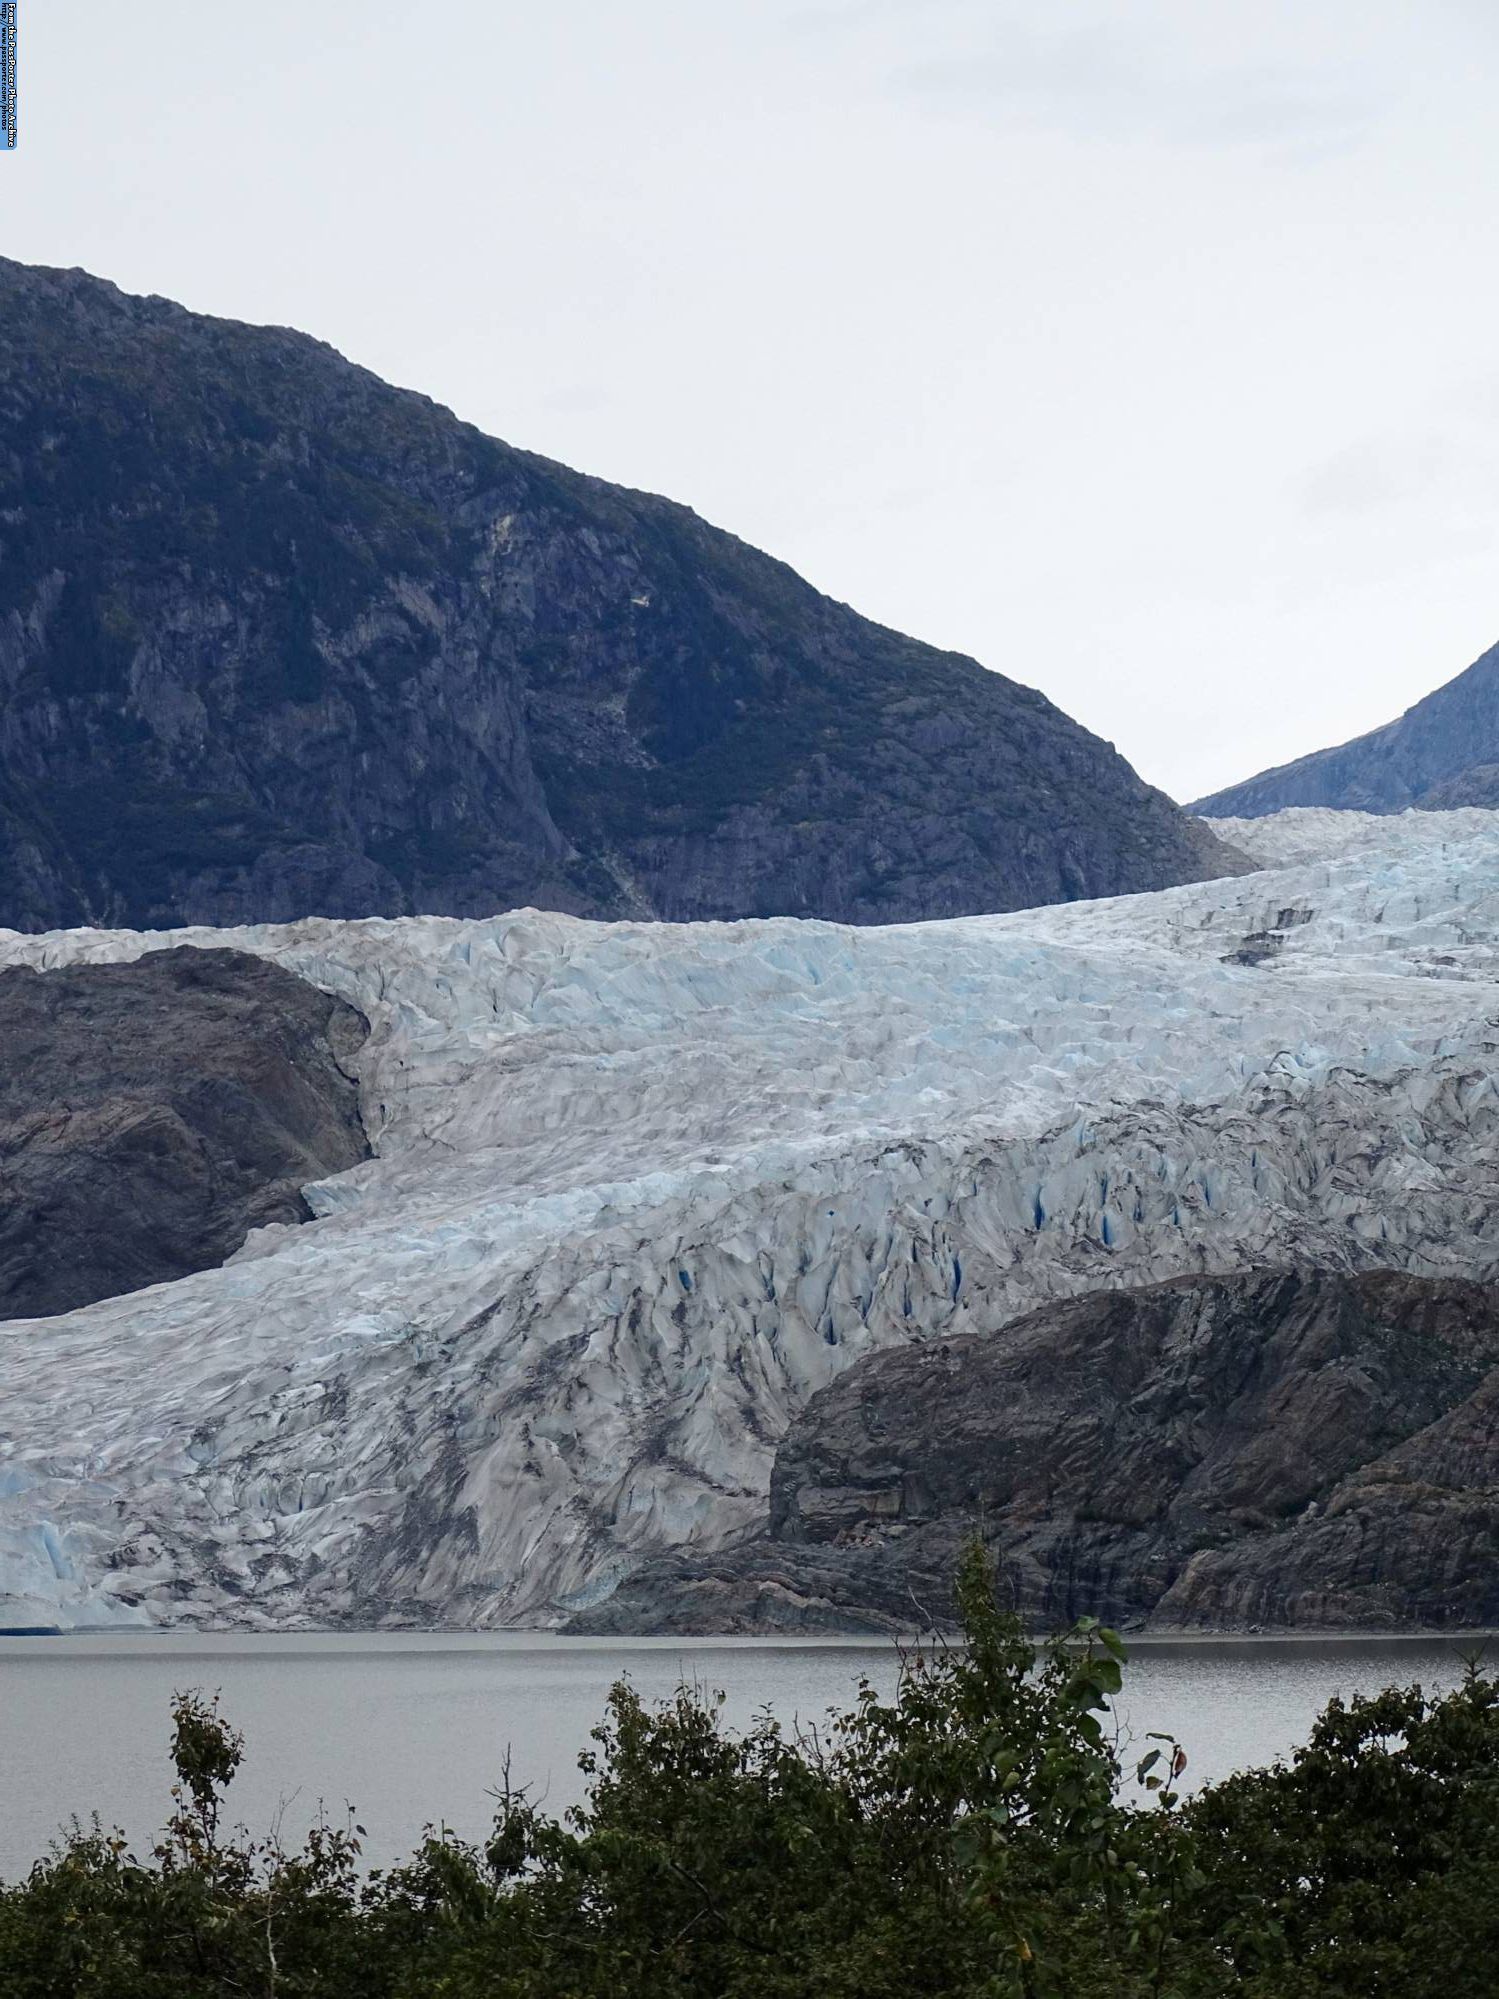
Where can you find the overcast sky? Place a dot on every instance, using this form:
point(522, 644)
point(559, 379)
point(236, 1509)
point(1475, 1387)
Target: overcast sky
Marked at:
point(1145, 349)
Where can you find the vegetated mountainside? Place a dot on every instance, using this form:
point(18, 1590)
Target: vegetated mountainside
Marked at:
point(1441, 754)
point(640, 1190)
point(277, 639)
point(152, 1113)
point(1273, 1449)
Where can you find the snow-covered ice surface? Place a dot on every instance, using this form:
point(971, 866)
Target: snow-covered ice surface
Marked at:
point(1313, 832)
point(641, 1189)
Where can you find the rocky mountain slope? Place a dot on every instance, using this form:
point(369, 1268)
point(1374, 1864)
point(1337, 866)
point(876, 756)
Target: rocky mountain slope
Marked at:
point(279, 640)
point(1273, 1449)
point(1440, 754)
point(639, 1191)
point(152, 1113)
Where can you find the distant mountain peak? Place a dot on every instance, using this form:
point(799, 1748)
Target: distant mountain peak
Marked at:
point(1440, 754)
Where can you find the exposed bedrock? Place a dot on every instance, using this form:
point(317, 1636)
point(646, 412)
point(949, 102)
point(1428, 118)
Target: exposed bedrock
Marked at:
point(1294, 1449)
point(151, 1114)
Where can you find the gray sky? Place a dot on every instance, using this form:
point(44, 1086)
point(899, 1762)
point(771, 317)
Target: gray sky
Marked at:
point(1144, 349)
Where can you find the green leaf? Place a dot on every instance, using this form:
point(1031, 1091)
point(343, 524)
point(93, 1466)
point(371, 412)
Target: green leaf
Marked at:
point(1105, 1675)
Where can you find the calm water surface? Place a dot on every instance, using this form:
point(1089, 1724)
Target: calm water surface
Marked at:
point(410, 1729)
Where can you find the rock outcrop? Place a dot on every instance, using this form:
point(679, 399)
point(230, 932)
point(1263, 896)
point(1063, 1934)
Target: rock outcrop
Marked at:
point(1440, 755)
point(1274, 1450)
point(278, 640)
point(152, 1113)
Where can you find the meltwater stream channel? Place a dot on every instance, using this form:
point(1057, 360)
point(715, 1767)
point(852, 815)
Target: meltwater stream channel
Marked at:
point(410, 1729)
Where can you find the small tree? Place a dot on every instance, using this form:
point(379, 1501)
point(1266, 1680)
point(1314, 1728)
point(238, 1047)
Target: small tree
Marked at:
point(206, 1753)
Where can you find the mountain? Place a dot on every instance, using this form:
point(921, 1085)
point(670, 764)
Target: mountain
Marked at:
point(1270, 1449)
point(639, 1191)
point(277, 640)
point(1441, 754)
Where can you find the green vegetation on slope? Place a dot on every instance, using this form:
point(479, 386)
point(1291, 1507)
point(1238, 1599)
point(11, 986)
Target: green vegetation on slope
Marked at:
point(967, 1838)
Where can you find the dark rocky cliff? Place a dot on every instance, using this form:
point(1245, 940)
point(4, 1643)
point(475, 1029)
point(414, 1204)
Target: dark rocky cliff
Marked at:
point(1444, 752)
point(277, 639)
point(1272, 1450)
point(152, 1113)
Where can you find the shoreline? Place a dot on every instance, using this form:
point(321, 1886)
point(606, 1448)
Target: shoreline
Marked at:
point(199, 1643)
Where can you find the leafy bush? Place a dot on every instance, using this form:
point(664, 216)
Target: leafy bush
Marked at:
point(967, 1837)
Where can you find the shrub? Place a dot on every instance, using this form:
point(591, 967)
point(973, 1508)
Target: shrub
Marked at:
point(970, 1836)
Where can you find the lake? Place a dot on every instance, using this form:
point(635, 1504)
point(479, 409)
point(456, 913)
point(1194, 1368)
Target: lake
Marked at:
point(411, 1728)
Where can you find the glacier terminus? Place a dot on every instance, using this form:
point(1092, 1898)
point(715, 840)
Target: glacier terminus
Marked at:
point(638, 1190)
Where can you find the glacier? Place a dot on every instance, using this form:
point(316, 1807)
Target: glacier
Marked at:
point(641, 1189)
